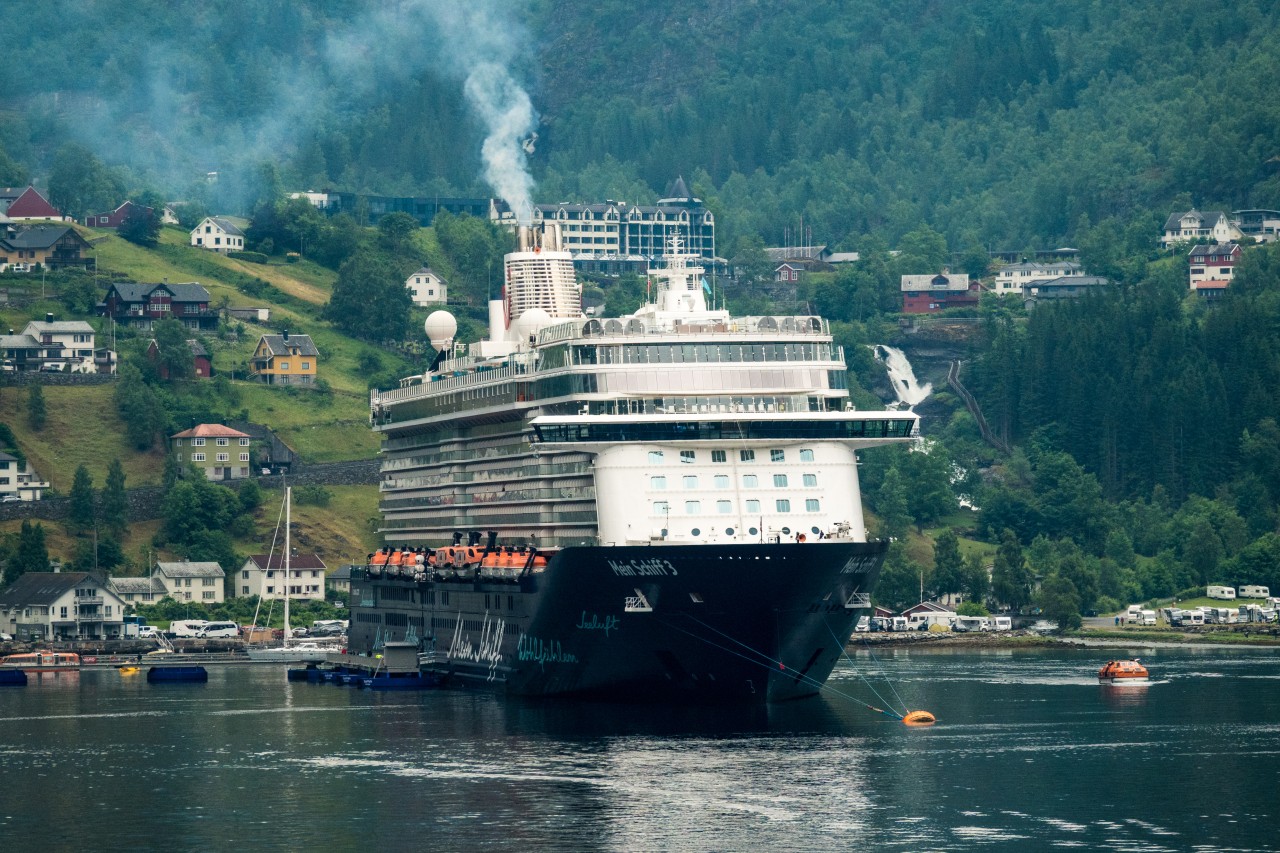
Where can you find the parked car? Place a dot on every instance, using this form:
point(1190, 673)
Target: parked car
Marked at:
point(9, 499)
point(6, 638)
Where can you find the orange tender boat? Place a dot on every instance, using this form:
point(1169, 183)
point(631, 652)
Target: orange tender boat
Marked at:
point(1123, 670)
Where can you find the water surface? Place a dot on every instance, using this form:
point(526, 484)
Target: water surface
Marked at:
point(1030, 753)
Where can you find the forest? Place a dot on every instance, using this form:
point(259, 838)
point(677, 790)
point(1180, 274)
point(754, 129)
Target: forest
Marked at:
point(1146, 449)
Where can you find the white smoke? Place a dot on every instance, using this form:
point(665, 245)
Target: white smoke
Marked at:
point(507, 113)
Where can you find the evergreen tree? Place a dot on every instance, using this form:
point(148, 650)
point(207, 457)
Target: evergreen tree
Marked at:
point(977, 580)
point(1060, 602)
point(81, 513)
point(140, 226)
point(948, 564)
point(891, 503)
point(1010, 580)
point(113, 506)
point(173, 356)
point(36, 412)
point(139, 408)
point(369, 299)
point(31, 554)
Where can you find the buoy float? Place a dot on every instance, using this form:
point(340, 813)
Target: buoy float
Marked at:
point(128, 670)
point(919, 718)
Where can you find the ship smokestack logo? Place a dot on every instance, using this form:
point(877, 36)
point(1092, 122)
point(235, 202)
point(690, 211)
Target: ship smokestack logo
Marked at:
point(508, 115)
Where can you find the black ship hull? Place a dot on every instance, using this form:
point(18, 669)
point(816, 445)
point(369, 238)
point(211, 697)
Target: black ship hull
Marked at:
point(695, 623)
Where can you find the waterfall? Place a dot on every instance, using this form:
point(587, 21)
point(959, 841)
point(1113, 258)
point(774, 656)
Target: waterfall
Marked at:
point(901, 376)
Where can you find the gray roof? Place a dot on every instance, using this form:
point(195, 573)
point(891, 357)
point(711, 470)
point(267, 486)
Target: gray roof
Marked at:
point(950, 282)
point(1041, 267)
point(1070, 281)
point(136, 586)
point(131, 291)
point(40, 588)
point(276, 344)
point(61, 327)
point(1214, 249)
point(227, 225)
point(190, 570)
point(5, 457)
point(19, 342)
point(39, 236)
point(342, 573)
point(1174, 222)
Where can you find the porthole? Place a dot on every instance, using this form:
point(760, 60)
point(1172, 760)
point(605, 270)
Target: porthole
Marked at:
point(786, 531)
point(728, 531)
point(815, 531)
point(753, 530)
point(696, 532)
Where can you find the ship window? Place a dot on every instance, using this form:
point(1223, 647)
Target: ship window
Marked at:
point(657, 482)
point(750, 481)
point(754, 531)
point(661, 507)
point(806, 455)
point(811, 505)
point(718, 456)
point(747, 455)
point(722, 481)
point(811, 479)
point(753, 507)
point(782, 505)
point(655, 457)
point(697, 531)
point(692, 507)
point(691, 482)
point(687, 456)
point(780, 481)
point(728, 531)
point(725, 507)
point(695, 598)
point(777, 455)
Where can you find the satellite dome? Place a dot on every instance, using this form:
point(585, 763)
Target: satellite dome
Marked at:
point(530, 322)
point(440, 327)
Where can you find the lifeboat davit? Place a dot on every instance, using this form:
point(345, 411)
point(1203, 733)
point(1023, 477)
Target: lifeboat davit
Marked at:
point(1123, 671)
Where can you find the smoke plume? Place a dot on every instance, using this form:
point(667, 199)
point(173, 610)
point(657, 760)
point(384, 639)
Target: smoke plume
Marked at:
point(507, 112)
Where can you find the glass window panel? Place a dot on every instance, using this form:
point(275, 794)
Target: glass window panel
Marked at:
point(657, 482)
point(783, 505)
point(722, 481)
point(753, 507)
point(806, 455)
point(780, 481)
point(692, 507)
point(811, 479)
point(811, 505)
point(724, 507)
point(750, 481)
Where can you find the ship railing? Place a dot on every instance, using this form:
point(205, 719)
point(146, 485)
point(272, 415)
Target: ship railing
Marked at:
point(637, 604)
point(626, 327)
point(857, 600)
point(440, 384)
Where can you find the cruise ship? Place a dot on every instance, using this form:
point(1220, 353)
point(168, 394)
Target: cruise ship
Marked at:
point(663, 505)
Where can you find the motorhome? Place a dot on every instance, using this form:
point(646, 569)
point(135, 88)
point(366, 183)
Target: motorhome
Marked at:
point(1191, 617)
point(187, 628)
point(1254, 592)
point(1145, 617)
point(1224, 593)
point(1220, 615)
point(1001, 623)
point(965, 624)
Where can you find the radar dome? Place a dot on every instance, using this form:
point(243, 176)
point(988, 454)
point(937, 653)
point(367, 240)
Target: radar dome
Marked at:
point(440, 327)
point(530, 322)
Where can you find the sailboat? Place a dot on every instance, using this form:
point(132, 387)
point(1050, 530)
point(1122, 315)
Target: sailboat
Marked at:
point(288, 652)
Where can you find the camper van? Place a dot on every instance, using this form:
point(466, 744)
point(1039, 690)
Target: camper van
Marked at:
point(1255, 592)
point(1001, 623)
point(1146, 617)
point(965, 624)
point(187, 628)
point(1225, 593)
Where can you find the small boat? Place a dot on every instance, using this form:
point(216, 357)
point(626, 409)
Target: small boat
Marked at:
point(12, 678)
point(130, 670)
point(43, 661)
point(398, 681)
point(1117, 671)
point(177, 674)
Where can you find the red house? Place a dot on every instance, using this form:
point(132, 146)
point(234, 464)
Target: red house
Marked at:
point(928, 294)
point(140, 305)
point(26, 204)
point(202, 364)
point(115, 218)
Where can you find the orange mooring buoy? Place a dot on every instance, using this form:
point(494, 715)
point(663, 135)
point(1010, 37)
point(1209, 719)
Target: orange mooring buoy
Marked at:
point(919, 718)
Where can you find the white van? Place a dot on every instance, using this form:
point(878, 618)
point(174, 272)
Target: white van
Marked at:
point(1255, 592)
point(187, 627)
point(1225, 593)
point(1146, 617)
point(219, 630)
point(1001, 623)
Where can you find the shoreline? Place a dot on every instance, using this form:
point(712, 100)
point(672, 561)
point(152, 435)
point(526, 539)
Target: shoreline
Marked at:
point(1028, 640)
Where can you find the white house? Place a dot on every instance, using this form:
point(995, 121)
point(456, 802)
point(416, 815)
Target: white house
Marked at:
point(19, 480)
point(427, 288)
point(218, 234)
point(1013, 277)
point(264, 577)
point(67, 341)
point(1199, 225)
point(187, 581)
point(134, 591)
point(44, 606)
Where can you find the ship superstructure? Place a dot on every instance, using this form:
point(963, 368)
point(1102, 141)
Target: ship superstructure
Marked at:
point(675, 445)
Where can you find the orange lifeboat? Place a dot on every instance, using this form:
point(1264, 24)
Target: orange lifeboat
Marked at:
point(1123, 671)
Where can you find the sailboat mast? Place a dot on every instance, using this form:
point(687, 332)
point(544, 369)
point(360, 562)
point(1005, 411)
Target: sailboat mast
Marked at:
point(288, 506)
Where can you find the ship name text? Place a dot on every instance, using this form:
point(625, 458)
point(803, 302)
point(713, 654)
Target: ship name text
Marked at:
point(638, 568)
point(860, 565)
point(488, 650)
point(542, 652)
point(595, 623)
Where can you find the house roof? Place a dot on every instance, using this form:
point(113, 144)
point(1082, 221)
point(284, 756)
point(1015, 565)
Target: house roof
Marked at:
point(428, 271)
point(796, 253)
point(136, 586)
point(31, 204)
point(59, 327)
point(297, 561)
point(41, 236)
point(942, 281)
point(1215, 249)
point(1070, 281)
point(1212, 284)
point(342, 573)
point(6, 457)
point(187, 569)
point(40, 588)
point(22, 341)
point(226, 225)
point(927, 607)
point(1174, 222)
point(1030, 266)
point(277, 346)
point(210, 431)
point(132, 291)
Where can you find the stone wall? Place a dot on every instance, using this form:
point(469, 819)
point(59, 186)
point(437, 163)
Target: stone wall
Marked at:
point(38, 377)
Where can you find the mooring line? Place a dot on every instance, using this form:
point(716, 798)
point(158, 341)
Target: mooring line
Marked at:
point(845, 651)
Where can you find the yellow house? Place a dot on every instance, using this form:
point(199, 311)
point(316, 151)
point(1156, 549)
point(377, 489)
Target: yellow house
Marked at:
point(285, 360)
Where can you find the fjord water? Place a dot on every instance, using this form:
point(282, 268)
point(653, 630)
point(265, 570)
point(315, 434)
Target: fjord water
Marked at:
point(1030, 753)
